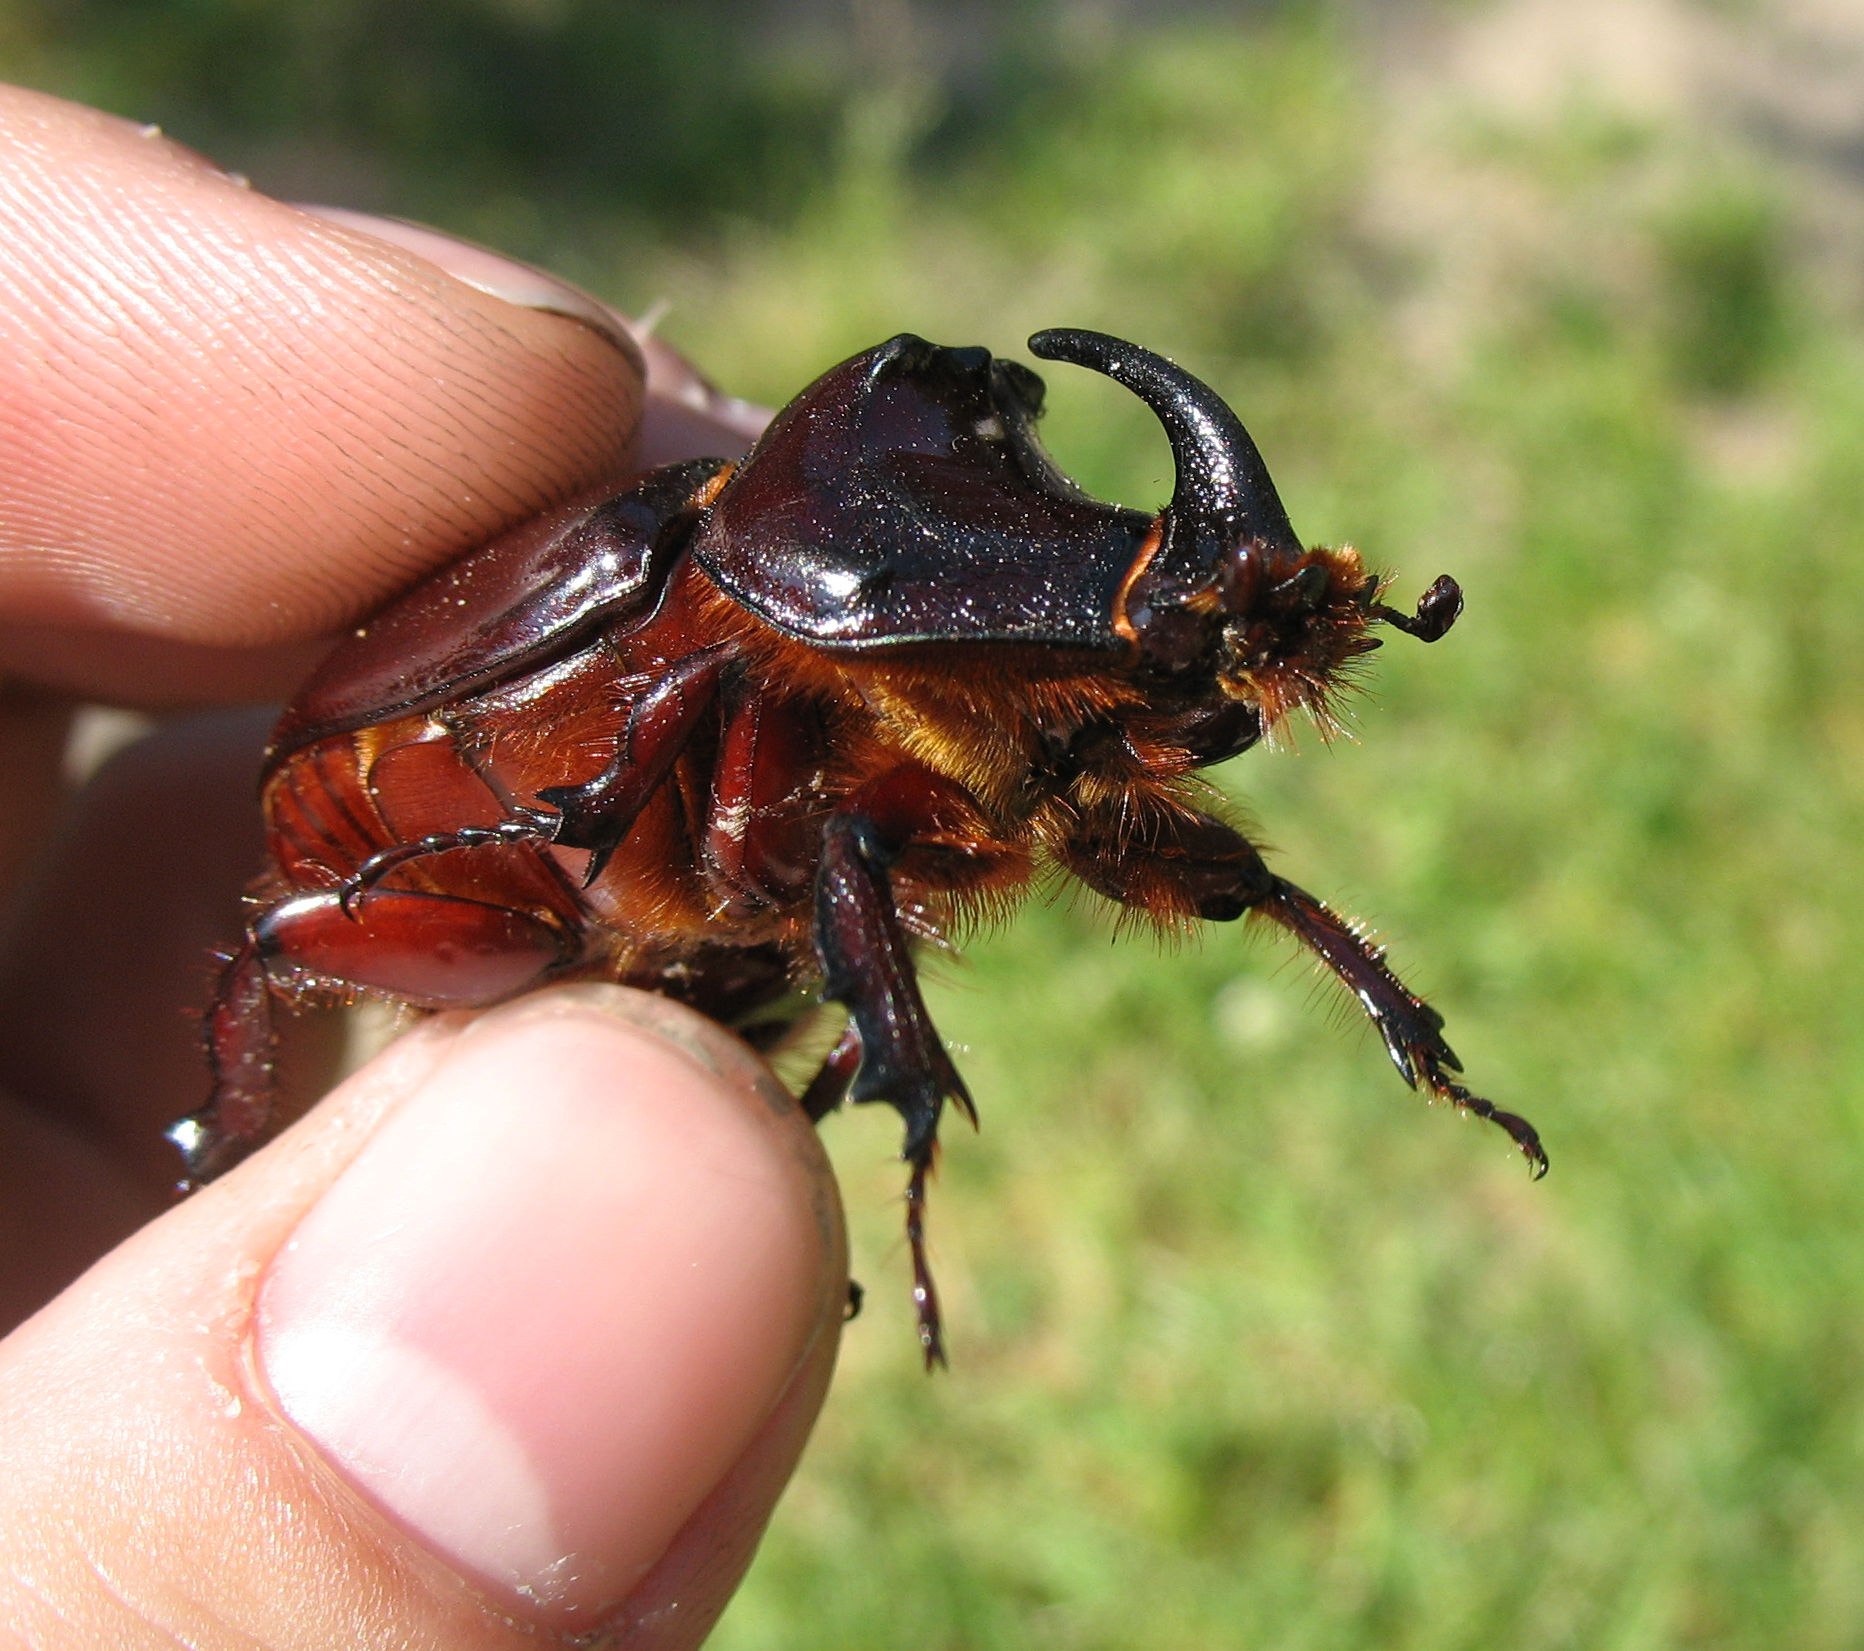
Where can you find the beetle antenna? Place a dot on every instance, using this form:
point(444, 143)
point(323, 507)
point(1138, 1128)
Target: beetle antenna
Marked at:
point(1436, 612)
point(1222, 481)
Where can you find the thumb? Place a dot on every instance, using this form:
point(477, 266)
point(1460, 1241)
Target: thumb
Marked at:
point(518, 1334)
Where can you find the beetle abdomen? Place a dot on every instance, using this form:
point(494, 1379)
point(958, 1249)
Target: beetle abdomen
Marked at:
point(335, 804)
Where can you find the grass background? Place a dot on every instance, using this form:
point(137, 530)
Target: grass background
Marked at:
point(1250, 1349)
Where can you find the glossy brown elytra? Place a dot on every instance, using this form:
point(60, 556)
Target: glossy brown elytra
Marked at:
point(741, 734)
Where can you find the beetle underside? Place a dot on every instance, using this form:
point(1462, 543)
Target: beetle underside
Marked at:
point(741, 733)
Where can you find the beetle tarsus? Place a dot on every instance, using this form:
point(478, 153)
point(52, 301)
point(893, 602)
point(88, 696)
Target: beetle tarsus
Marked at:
point(1411, 1028)
point(206, 1149)
point(826, 1091)
point(242, 1051)
point(1524, 1135)
point(925, 1293)
point(522, 828)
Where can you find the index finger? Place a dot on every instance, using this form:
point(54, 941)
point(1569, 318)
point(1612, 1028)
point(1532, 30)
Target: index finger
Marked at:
point(230, 425)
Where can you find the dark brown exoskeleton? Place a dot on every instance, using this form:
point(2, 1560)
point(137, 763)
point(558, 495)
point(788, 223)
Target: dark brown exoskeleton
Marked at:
point(745, 731)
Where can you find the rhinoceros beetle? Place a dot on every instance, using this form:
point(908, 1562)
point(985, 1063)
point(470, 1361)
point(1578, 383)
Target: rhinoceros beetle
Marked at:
point(746, 730)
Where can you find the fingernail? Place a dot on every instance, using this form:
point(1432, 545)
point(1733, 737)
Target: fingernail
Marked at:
point(671, 376)
point(489, 272)
point(553, 1300)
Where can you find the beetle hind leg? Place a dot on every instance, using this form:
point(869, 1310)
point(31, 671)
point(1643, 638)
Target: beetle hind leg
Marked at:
point(242, 1050)
point(435, 951)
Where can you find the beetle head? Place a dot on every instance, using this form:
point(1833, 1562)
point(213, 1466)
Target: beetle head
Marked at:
point(1224, 593)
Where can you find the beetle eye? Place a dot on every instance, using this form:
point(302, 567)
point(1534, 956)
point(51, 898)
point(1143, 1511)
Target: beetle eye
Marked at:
point(1304, 588)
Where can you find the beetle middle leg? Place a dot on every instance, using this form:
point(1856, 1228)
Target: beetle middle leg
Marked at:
point(866, 964)
point(902, 1061)
point(596, 814)
point(1178, 862)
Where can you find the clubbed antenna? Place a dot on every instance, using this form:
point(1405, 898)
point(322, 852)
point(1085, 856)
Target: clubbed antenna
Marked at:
point(1436, 612)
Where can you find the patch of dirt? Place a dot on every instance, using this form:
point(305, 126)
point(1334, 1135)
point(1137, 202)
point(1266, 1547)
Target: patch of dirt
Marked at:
point(1531, 141)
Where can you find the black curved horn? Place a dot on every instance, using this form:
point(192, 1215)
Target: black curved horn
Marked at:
point(1222, 481)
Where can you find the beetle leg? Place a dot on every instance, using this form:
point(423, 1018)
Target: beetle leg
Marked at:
point(764, 821)
point(1185, 863)
point(242, 1051)
point(826, 1091)
point(596, 815)
point(1412, 1030)
point(829, 1087)
point(434, 950)
point(523, 827)
point(866, 965)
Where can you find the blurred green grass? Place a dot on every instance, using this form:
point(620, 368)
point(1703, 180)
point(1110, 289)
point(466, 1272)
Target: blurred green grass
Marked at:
point(1250, 1349)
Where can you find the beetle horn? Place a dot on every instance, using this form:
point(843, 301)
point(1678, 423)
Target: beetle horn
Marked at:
point(1223, 485)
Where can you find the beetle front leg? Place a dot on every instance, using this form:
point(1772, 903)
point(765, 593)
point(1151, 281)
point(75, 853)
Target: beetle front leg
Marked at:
point(1412, 1030)
point(1185, 863)
point(867, 966)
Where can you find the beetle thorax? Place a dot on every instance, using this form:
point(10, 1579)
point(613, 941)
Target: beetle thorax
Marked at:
point(987, 723)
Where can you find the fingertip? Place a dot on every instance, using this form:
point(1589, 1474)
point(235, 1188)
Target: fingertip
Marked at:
point(559, 1296)
point(492, 273)
point(521, 1330)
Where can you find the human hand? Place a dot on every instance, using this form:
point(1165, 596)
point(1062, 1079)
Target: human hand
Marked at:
point(519, 1332)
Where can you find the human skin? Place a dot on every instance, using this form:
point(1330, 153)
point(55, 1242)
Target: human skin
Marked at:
point(517, 1334)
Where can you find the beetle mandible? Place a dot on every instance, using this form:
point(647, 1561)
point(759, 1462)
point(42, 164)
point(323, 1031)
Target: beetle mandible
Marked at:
point(746, 730)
